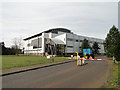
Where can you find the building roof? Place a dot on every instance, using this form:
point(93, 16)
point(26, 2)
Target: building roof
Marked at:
point(57, 41)
point(55, 30)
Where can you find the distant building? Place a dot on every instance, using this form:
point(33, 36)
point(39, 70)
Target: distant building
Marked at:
point(57, 41)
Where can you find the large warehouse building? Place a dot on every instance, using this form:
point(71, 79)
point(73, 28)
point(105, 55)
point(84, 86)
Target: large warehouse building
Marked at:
point(57, 41)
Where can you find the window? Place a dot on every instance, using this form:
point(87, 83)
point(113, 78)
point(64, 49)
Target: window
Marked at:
point(80, 40)
point(69, 39)
point(60, 49)
point(70, 46)
point(90, 41)
point(54, 31)
point(34, 47)
point(76, 40)
point(28, 44)
point(36, 43)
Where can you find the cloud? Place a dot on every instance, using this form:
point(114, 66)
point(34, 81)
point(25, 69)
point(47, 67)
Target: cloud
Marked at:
point(26, 19)
point(59, 1)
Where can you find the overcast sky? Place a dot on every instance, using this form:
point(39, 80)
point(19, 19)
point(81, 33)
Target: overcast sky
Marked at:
point(24, 19)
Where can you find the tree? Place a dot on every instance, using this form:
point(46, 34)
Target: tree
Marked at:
point(6, 50)
point(2, 48)
point(95, 48)
point(85, 44)
point(112, 43)
point(17, 45)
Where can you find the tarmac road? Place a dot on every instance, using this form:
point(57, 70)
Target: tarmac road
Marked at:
point(68, 75)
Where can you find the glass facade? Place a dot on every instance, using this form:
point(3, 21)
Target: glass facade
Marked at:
point(53, 48)
point(36, 43)
point(60, 49)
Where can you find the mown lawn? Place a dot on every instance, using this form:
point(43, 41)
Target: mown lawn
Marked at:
point(12, 61)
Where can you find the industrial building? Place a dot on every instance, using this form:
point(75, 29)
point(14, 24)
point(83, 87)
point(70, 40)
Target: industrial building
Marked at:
point(58, 41)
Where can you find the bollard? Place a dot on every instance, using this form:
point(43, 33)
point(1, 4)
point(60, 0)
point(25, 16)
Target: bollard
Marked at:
point(113, 59)
point(79, 62)
point(83, 61)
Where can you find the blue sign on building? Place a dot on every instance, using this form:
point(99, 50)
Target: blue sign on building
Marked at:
point(87, 51)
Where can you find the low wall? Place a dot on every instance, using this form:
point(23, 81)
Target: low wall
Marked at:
point(37, 54)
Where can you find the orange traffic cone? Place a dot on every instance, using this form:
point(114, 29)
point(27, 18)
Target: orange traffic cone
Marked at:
point(90, 57)
point(75, 57)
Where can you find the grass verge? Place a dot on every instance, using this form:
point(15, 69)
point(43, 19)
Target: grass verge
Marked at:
point(12, 61)
point(114, 81)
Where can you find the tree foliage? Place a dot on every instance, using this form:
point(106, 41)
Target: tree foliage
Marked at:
point(8, 51)
point(95, 48)
point(85, 44)
point(112, 43)
point(17, 44)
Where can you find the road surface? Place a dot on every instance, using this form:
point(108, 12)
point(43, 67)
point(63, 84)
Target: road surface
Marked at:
point(69, 75)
